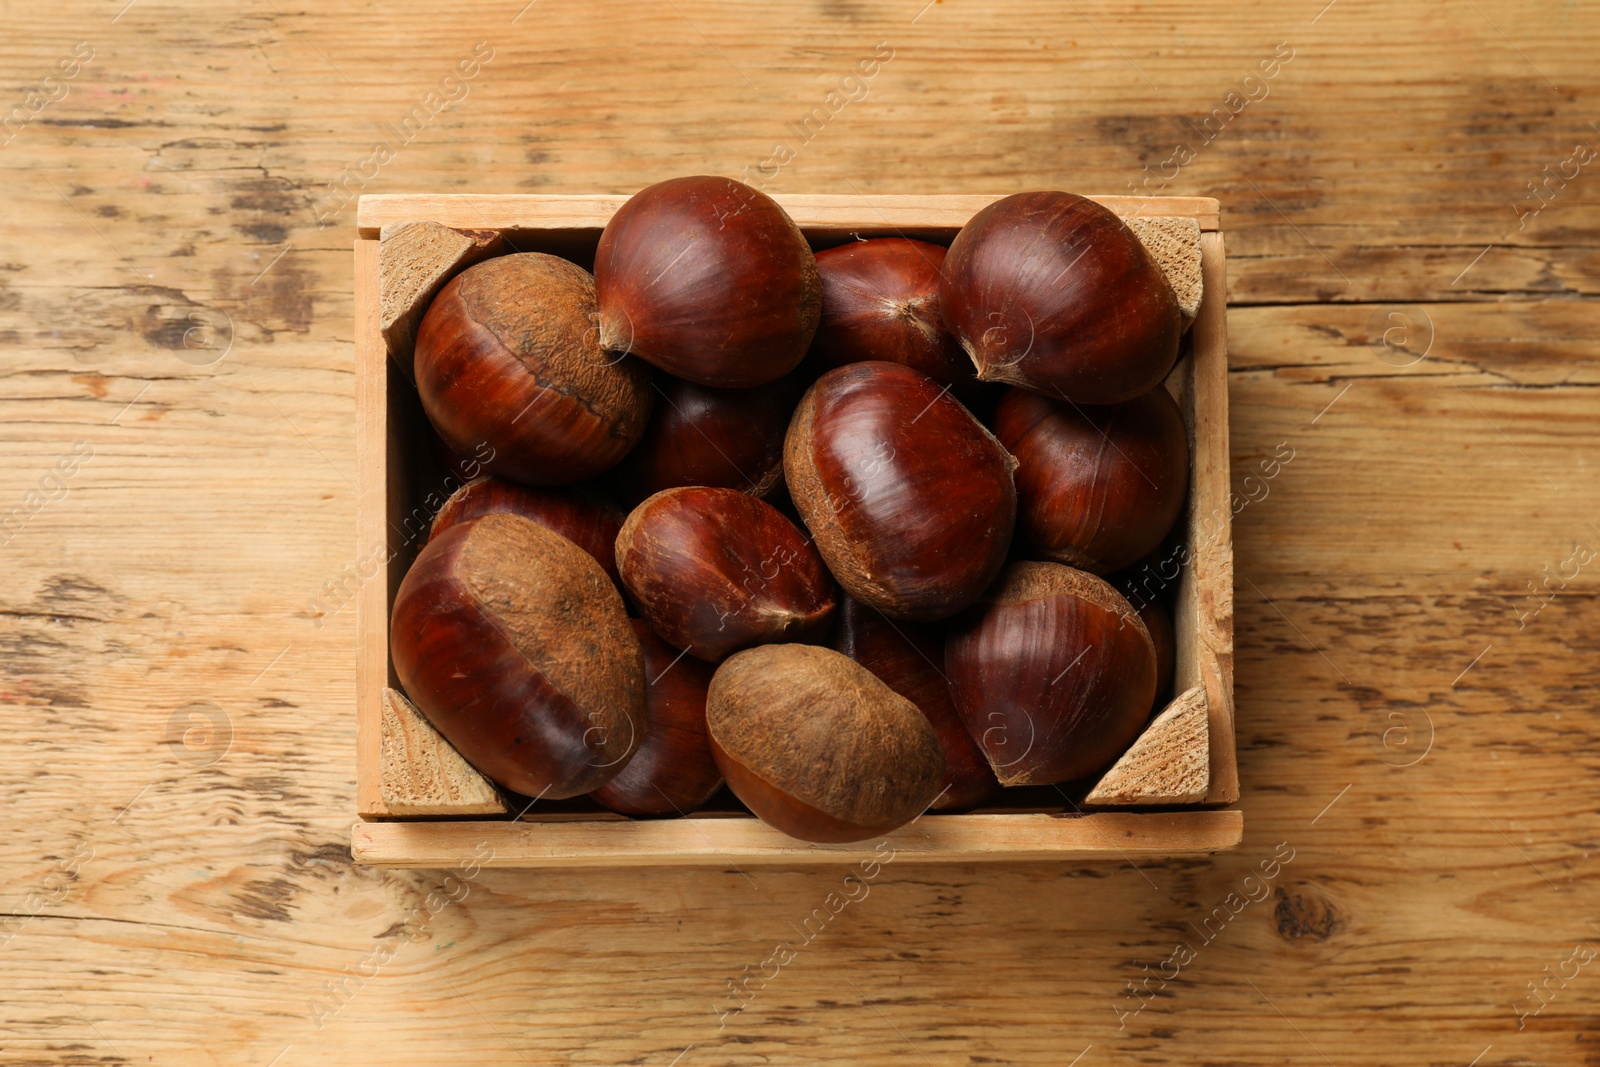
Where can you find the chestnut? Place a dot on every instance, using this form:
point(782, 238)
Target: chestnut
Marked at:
point(673, 773)
point(908, 657)
point(716, 570)
point(1097, 487)
point(880, 300)
point(1053, 292)
point(507, 356)
point(515, 645)
point(909, 498)
point(817, 747)
point(581, 516)
point(731, 438)
point(709, 280)
point(1054, 674)
point(451, 465)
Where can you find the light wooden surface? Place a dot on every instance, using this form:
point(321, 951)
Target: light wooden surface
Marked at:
point(392, 480)
point(175, 770)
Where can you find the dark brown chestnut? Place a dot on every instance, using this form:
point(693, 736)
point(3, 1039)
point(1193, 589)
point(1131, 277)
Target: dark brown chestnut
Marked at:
point(1054, 674)
point(1097, 487)
point(507, 355)
point(673, 773)
point(709, 280)
point(908, 657)
point(461, 469)
point(818, 747)
point(516, 646)
point(716, 570)
point(581, 516)
point(909, 498)
point(880, 300)
point(1053, 292)
point(729, 438)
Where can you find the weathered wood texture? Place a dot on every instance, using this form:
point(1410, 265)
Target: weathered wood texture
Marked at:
point(1418, 729)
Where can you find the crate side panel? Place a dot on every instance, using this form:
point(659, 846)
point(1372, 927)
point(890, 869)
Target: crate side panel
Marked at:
point(1110, 837)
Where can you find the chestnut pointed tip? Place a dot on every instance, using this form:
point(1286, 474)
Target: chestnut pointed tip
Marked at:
point(1003, 373)
point(1008, 781)
point(616, 335)
point(978, 366)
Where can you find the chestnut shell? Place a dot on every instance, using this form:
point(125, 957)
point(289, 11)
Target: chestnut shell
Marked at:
point(716, 570)
point(909, 498)
point(673, 773)
point(728, 438)
point(582, 517)
point(1054, 292)
point(507, 355)
point(1054, 675)
point(816, 746)
point(1098, 488)
point(880, 301)
point(709, 280)
point(908, 657)
point(516, 646)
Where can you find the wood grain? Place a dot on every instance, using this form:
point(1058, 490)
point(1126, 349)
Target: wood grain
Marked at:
point(1170, 763)
point(422, 774)
point(746, 843)
point(1203, 615)
point(183, 175)
point(833, 216)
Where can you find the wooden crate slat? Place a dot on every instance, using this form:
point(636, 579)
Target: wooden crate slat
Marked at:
point(1211, 527)
point(818, 211)
point(728, 843)
point(373, 471)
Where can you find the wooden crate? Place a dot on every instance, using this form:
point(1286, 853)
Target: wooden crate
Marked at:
point(456, 829)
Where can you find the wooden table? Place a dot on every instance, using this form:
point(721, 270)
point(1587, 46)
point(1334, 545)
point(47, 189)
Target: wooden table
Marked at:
point(1417, 631)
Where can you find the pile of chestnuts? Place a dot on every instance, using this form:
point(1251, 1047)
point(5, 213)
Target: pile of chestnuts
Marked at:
point(839, 529)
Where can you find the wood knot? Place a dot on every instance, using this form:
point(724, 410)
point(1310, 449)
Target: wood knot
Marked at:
point(1305, 916)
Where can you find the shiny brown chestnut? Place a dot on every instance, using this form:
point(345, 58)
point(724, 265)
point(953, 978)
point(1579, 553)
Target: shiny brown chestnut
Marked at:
point(880, 300)
point(729, 438)
point(709, 280)
point(673, 773)
point(1097, 487)
point(1054, 674)
point(716, 570)
point(1053, 292)
point(908, 657)
point(909, 498)
point(817, 747)
point(515, 645)
point(508, 356)
point(580, 515)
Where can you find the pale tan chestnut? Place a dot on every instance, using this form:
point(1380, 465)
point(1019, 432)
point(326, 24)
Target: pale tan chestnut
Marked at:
point(817, 747)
